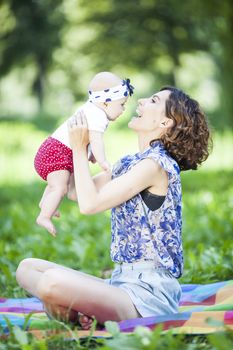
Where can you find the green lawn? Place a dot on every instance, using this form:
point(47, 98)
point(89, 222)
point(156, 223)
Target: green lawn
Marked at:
point(207, 224)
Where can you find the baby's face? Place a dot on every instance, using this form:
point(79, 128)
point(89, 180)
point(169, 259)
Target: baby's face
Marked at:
point(116, 108)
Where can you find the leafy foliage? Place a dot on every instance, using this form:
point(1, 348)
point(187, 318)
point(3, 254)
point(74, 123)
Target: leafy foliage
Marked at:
point(60, 40)
point(207, 226)
point(30, 34)
point(141, 34)
point(83, 242)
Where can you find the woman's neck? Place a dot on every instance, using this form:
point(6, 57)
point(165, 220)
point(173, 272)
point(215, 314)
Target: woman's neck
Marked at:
point(143, 143)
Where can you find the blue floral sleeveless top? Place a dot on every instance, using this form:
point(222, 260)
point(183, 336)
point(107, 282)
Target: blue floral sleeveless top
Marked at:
point(140, 234)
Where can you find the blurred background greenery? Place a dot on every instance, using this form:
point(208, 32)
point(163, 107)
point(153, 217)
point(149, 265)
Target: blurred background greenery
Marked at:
point(49, 50)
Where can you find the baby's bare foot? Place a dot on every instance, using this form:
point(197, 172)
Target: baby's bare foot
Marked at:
point(85, 321)
point(47, 224)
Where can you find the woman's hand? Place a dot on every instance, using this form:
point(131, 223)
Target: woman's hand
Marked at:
point(78, 131)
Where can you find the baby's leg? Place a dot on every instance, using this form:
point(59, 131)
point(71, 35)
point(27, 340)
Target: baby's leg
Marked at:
point(43, 196)
point(46, 191)
point(71, 194)
point(56, 189)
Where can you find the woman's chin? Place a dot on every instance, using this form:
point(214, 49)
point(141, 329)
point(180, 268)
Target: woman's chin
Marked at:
point(131, 123)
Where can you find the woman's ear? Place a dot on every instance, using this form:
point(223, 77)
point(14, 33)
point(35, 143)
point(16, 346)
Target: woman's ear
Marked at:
point(166, 123)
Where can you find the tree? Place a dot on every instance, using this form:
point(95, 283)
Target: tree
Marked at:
point(30, 33)
point(139, 32)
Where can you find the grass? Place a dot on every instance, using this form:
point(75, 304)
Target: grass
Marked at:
point(207, 231)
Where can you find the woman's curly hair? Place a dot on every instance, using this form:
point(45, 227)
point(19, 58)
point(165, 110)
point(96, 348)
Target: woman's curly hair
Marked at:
point(189, 140)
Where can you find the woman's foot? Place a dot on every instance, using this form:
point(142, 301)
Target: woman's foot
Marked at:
point(85, 321)
point(47, 224)
point(61, 313)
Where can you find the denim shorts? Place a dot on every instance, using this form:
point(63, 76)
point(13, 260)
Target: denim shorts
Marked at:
point(153, 290)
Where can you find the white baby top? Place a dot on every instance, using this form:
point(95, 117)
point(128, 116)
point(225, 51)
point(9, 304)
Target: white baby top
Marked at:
point(96, 120)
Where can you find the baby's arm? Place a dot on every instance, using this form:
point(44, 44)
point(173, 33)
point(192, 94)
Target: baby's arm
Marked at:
point(98, 150)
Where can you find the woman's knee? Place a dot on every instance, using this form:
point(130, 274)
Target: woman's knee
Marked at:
point(22, 269)
point(48, 285)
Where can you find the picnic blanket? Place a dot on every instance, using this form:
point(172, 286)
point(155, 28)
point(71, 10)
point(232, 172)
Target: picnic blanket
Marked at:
point(203, 309)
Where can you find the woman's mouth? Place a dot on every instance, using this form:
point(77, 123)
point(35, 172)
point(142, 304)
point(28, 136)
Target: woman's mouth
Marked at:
point(138, 113)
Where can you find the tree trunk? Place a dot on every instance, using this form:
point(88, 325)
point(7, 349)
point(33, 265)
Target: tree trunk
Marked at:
point(38, 86)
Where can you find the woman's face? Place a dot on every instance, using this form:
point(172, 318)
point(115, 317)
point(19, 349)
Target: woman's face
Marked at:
point(150, 112)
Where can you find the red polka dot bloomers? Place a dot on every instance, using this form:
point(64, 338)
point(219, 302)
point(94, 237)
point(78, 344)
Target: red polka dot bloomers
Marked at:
point(51, 156)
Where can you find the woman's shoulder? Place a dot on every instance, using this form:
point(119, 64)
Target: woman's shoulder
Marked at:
point(123, 164)
point(158, 153)
point(155, 151)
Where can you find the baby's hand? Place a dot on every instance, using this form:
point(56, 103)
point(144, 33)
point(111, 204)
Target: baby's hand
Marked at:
point(106, 166)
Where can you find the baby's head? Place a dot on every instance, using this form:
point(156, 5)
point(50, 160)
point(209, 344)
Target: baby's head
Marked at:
point(110, 93)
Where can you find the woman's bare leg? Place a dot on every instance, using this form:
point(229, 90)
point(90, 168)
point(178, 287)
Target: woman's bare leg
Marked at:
point(27, 275)
point(62, 313)
point(56, 189)
point(30, 270)
point(83, 294)
point(74, 290)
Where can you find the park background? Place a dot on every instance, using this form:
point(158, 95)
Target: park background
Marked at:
point(49, 50)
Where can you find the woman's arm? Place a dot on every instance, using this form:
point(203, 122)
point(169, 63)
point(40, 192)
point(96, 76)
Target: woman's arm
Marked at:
point(118, 190)
point(92, 199)
point(99, 180)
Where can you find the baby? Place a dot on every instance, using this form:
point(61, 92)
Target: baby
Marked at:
point(53, 161)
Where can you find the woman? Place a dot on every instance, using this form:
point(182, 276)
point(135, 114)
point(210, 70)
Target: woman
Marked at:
point(144, 193)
